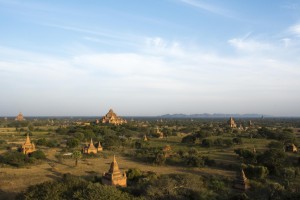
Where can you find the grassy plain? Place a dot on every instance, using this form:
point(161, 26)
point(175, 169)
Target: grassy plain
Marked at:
point(14, 180)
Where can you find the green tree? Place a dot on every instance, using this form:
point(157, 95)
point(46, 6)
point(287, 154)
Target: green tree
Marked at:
point(72, 143)
point(38, 155)
point(76, 155)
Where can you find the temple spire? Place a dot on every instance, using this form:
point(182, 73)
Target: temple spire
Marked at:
point(114, 176)
point(27, 139)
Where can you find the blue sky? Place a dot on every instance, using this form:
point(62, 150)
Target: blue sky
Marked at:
point(149, 57)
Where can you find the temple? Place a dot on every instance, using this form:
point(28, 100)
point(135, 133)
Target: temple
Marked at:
point(291, 148)
point(242, 181)
point(112, 118)
point(90, 148)
point(20, 117)
point(159, 133)
point(114, 176)
point(28, 147)
point(231, 123)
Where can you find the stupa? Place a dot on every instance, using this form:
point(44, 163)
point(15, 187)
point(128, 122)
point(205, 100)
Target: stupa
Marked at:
point(241, 182)
point(231, 123)
point(112, 118)
point(145, 138)
point(99, 147)
point(28, 147)
point(114, 175)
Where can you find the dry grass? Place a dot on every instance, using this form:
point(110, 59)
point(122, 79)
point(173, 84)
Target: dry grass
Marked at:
point(15, 180)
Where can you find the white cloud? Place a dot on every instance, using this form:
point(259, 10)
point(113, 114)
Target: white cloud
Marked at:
point(295, 29)
point(207, 7)
point(250, 45)
point(164, 75)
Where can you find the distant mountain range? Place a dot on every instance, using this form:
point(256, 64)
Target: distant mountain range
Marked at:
point(215, 115)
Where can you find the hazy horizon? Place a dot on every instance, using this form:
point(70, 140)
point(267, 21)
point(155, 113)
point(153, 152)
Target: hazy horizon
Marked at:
point(149, 58)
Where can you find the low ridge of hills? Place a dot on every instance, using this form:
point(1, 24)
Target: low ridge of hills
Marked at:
point(215, 115)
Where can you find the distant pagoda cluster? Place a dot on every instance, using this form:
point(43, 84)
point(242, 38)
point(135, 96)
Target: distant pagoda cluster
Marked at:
point(112, 118)
point(232, 124)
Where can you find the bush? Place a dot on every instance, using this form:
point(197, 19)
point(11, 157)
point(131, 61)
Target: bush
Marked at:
point(207, 142)
point(194, 161)
point(252, 171)
point(14, 158)
point(276, 145)
point(190, 139)
point(72, 143)
point(70, 188)
point(41, 142)
point(39, 155)
point(247, 155)
point(237, 140)
point(160, 158)
point(3, 142)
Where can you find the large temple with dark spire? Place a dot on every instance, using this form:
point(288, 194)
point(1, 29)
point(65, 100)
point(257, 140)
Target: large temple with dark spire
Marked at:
point(112, 118)
point(114, 176)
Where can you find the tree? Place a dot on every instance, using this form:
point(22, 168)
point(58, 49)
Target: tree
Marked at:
point(76, 155)
point(38, 155)
point(191, 139)
point(72, 143)
point(207, 142)
point(276, 145)
point(160, 158)
point(274, 159)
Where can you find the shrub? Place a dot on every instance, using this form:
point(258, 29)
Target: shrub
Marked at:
point(207, 142)
point(39, 155)
point(191, 139)
point(237, 140)
point(252, 171)
point(72, 143)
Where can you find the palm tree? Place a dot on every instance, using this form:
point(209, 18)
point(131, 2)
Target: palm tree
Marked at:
point(76, 155)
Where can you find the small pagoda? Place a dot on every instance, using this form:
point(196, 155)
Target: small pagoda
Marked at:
point(112, 118)
point(159, 133)
point(231, 123)
point(242, 182)
point(28, 147)
point(99, 147)
point(114, 176)
point(20, 117)
point(90, 148)
point(145, 138)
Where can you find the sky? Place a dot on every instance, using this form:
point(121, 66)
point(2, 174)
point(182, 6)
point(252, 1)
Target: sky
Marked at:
point(149, 57)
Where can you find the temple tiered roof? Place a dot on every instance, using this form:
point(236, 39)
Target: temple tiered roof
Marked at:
point(20, 117)
point(112, 118)
point(28, 146)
